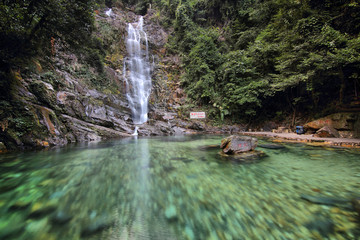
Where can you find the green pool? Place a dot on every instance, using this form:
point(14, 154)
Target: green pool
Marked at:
point(177, 188)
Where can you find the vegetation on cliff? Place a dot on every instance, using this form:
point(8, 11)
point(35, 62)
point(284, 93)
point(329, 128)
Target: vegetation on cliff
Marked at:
point(267, 58)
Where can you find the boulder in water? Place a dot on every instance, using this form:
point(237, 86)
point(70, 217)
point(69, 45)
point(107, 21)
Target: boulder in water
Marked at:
point(238, 144)
point(240, 149)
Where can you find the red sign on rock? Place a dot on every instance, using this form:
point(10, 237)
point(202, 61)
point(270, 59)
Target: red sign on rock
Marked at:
point(197, 115)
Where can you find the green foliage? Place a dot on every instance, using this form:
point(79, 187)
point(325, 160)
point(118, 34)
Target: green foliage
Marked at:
point(202, 61)
point(27, 26)
point(257, 58)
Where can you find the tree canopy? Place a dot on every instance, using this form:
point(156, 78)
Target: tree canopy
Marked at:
point(260, 57)
point(26, 26)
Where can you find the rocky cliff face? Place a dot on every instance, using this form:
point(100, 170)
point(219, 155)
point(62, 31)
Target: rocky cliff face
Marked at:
point(64, 99)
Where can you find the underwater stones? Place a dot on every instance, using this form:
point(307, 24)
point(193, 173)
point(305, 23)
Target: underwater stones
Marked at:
point(20, 205)
point(10, 184)
point(209, 147)
point(324, 200)
point(182, 159)
point(238, 144)
point(39, 209)
point(244, 157)
point(324, 226)
point(272, 146)
point(37, 226)
point(170, 213)
point(356, 204)
point(11, 226)
point(96, 226)
point(60, 217)
point(168, 168)
point(189, 233)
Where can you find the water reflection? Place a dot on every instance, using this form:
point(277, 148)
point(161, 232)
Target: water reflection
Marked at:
point(176, 188)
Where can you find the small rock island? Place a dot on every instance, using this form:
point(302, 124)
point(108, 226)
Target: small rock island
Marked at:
point(240, 149)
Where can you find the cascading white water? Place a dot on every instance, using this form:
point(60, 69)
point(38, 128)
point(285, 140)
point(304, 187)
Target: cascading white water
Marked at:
point(109, 12)
point(137, 72)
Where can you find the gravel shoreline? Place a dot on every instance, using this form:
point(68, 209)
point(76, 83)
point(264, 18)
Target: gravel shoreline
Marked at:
point(293, 137)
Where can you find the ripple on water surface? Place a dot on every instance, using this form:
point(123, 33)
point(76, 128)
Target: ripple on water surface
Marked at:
point(178, 188)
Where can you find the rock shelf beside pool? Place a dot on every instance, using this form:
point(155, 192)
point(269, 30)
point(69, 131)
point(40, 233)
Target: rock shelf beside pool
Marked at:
point(240, 149)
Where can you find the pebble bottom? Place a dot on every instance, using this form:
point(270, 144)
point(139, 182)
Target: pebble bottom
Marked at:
point(152, 188)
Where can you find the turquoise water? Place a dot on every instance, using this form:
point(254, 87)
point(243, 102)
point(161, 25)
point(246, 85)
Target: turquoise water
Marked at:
point(177, 188)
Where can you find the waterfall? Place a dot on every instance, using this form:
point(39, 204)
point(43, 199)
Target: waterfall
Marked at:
point(135, 131)
point(109, 12)
point(137, 72)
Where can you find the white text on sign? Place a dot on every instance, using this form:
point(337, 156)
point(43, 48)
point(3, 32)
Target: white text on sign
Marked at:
point(197, 115)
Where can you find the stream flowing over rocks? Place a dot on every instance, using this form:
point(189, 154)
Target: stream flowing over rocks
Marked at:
point(68, 103)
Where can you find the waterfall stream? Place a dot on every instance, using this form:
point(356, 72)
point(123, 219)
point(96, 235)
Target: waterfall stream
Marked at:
point(137, 72)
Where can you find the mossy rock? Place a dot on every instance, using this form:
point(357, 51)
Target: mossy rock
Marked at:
point(44, 92)
point(11, 227)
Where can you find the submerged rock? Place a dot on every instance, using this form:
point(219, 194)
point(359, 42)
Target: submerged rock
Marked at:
point(11, 226)
point(209, 147)
point(244, 157)
point(324, 200)
point(170, 213)
point(356, 204)
point(325, 226)
point(20, 205)
point(39, 209)
point(37, 226)
point(96, 226)
point(185, 160)
point(60, 217)
point(238, 144)
point(272, 146)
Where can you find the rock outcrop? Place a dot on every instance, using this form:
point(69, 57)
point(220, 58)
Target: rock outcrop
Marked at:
point(327, 132)
point(65, 98)
point(347, 124)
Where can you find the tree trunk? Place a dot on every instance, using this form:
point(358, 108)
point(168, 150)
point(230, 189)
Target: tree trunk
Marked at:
point(37, 27)
point(294, 116)
point(342, 86)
